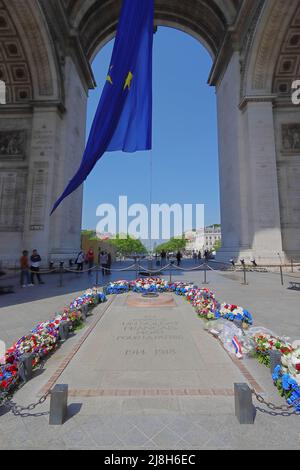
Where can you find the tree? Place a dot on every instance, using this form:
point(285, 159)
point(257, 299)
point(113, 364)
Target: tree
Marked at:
point(127, 245)
point(173, 245)
point(217, 245)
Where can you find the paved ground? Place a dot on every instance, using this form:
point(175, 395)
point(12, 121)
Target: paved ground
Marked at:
point(150, 378)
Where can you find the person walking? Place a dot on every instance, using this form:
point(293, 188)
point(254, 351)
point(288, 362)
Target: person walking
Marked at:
point(199, 256)
point(24, 265)
point(35, 262)
point(90, 259)
point(195, 257)
point(80, 260)
point(178, 257)
point(103, 262)
point(163, 256)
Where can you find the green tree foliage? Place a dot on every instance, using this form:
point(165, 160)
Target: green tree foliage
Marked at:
point(173, 245)
point(217, 245)
point(127, 245)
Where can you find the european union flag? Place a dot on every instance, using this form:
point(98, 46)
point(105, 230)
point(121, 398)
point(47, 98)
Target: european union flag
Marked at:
point(123, 120)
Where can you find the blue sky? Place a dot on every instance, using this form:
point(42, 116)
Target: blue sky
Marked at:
point(185, 150)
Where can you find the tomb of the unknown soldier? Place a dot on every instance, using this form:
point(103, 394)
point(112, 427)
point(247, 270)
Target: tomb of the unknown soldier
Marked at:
point(149, 227)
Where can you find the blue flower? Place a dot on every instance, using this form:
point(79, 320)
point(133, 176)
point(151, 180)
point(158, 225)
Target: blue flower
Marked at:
point(276, 373)
point(285, 382)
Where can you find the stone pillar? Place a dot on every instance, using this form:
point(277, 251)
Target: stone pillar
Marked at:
point(66, 231)
point(250, 211)
point(263, 210)
point(44, 154)
point(234, 220)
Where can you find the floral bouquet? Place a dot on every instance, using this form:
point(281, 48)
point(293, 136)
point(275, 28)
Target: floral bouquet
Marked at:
point(288, 387)
point(233, 312)
point(181, 288)
point(264, 343)
point(101, 297)
point(149, 284)
point(207, 306)
point(8, 377)
point(290, 361)
point(89, 297)
point(117, 287)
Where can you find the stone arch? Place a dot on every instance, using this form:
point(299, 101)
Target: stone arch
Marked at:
point(267, 39)
point(27, 26)
point(205, 20)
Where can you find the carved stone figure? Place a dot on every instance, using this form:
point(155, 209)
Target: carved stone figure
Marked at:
point(12, 144)
point(291, 137)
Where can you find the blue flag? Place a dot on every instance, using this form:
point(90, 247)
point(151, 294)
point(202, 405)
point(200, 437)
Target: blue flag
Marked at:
point(123, 120)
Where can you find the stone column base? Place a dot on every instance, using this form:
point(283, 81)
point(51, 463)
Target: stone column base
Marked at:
point(262, 257)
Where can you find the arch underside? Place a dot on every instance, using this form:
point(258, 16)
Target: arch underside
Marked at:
point(206, 20)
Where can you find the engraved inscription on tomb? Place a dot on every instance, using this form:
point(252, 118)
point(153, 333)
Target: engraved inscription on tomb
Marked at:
point(156, 334)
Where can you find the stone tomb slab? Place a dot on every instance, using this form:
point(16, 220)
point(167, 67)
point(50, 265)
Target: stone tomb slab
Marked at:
point(151, 351)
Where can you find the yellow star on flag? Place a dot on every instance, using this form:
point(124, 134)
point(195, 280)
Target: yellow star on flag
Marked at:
point(128, 81)
point(108, 78)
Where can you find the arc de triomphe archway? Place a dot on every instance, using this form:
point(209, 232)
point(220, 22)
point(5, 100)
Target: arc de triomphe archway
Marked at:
point(46, 48)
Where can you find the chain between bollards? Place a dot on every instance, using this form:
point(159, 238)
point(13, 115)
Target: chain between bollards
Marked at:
point(61, 272)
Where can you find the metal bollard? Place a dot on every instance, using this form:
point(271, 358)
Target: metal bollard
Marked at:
point(64, 330)
point(170, 271)
point(97, 275)
point(83, 314)
point(245, 283)
point(238, 323)
point(281, 276)
point(275, 360)
point(205, 275)
point(86, 309)
point(58, 405)
point(244, 408)
point(25, 367)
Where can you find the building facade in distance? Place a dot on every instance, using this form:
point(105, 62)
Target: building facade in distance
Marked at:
point(203, 239)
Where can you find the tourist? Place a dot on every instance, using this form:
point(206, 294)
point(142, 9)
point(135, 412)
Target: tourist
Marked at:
point(163, 256)
point(35, 262)
point(232, 261)
point(103, 262)
point(195, 256)
point(90, 259)
point(80, 260)
point(178, 257)
point(199, 255)
point(24, 265)
point(243, 263)
point(253, 261)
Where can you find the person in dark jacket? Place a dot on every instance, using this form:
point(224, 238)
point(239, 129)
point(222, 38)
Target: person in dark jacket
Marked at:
point(35, 262)
point(108, 263)
point(178, 257)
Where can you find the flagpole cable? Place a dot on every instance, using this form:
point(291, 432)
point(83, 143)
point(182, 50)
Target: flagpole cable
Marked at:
point(151, 195)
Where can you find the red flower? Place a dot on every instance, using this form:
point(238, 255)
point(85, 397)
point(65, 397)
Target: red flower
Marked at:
point(298, 367)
